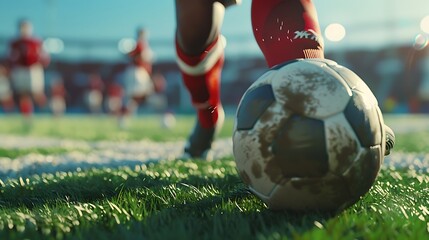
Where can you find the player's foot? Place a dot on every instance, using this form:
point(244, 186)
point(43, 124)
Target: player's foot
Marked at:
point(200, 141)
point(390, 140)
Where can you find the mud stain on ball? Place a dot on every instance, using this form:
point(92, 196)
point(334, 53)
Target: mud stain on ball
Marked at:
point(273, 168)
point(303, 95)
point(264, 142)
point(344, 149)
point(267, 117)
point(347, 151)
point(319, 78)
point(256, 170)
point(299, 102)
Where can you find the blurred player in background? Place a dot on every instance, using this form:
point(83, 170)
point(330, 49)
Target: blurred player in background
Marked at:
point(27, 60)
point(6, 96)
point(94, 93)
point(136, 79)
point(284, 30)
point(114, 94)
point(58, 95)
point(138, 82)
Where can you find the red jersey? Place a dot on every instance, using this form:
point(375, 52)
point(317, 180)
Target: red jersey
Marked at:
point(27, 52)
point(141, 56)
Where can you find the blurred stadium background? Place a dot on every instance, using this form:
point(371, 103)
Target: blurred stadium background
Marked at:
point(385, 42)
point(78, 177)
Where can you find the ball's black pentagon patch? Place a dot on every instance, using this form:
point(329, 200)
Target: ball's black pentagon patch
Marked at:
point(364, 120)
point(299, 148)
point(253, 105)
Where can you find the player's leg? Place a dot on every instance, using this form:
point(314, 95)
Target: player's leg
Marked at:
point(200, 59)
point(26, 108)
point(25, 105)
point(286, 30)
point(37, 85)
point(289, 29)
point(21, 82)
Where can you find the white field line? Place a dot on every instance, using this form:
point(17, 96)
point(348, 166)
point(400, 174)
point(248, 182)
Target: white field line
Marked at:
point(414, 161)
point(85, 155)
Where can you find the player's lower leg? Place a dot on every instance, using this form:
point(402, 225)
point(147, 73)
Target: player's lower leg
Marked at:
point(26, 109)
point(129, 108)
point(203, 86)
point(200, 59)
point(286, 30)
point(289, 29)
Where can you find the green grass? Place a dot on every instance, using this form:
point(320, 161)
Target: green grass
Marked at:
point(413, 142)
point(15, 153)
point(190, 199)
point(94, 128)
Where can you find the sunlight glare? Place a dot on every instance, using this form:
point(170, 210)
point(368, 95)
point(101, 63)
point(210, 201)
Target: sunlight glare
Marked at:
point(424, 24)
point(335, 32)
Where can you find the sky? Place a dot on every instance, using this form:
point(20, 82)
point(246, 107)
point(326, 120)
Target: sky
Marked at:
point(369, 23)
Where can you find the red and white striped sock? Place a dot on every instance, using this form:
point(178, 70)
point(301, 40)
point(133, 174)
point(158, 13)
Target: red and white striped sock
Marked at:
point(201, 76)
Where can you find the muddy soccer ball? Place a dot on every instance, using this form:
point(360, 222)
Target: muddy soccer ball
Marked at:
point(309, 135)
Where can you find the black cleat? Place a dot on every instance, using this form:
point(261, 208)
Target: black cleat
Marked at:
point(200, 142)
point(390, 140)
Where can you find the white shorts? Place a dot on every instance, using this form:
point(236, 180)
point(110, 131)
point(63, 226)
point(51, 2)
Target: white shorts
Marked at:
point(94, 98)
point(28, 79)
point(137, 82)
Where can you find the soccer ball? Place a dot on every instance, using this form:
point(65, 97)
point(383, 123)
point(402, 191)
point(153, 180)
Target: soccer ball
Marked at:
point(309, 135)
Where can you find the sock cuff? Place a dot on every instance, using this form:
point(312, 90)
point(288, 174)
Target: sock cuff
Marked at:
point(203, 63)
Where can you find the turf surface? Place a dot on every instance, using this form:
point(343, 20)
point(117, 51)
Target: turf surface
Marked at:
point(94, 128)
point(188, 199)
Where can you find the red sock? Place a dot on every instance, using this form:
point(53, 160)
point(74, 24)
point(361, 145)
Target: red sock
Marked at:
point(286, 30)
point(201, 75)
point(26, 106)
